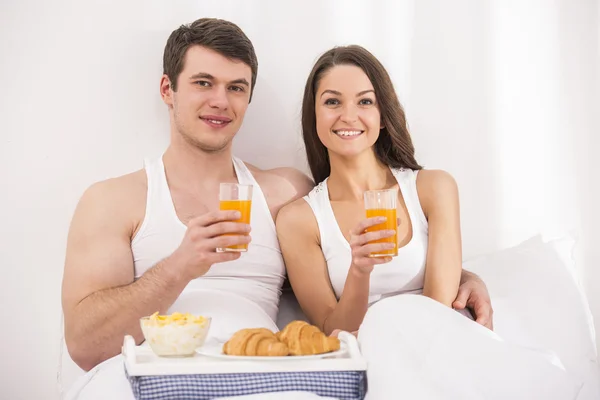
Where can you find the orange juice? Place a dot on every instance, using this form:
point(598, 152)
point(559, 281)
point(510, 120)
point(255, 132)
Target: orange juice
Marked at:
point(390, 223)
point(244, 207)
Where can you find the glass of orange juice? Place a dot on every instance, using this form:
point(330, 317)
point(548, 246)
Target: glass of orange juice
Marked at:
point(382, 203)
point(238, 197)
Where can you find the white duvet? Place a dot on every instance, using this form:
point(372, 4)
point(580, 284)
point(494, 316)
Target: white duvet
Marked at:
point(419, 349)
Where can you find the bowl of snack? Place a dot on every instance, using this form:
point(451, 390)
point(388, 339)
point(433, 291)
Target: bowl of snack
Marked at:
point(175, 335)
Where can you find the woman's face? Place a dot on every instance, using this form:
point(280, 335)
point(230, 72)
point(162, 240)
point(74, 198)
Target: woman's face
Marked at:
point(347, 112)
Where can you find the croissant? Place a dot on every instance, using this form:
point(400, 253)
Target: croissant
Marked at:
point(304, 339)
point(255, 342)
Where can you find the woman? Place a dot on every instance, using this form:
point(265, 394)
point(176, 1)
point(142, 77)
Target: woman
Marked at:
point(356, 140)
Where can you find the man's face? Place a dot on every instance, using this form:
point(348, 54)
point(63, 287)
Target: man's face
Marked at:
point(211, 98)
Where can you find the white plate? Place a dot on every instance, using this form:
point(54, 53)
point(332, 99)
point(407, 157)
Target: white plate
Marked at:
point(230, 312)
point(216, 350)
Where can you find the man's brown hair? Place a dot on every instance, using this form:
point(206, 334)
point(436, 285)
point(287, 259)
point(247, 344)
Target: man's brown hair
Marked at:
point(224, 37)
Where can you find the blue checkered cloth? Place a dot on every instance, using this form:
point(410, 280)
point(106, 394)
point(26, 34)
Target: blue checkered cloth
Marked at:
point(343, 385)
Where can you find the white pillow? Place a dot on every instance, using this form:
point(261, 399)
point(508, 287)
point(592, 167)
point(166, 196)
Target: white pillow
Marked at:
point(538, 302)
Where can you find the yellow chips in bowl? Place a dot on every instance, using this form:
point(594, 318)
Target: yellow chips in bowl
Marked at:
point(175, 318)
point(176, 334)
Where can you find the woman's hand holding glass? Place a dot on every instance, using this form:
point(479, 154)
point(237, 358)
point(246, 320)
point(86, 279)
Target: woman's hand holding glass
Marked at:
point(363, 248)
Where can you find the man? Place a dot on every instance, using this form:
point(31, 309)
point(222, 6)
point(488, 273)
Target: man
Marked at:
point(145, 242)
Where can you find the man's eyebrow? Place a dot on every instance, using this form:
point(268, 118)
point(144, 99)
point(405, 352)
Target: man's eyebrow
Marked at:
point(241, 81)
point(204, 75)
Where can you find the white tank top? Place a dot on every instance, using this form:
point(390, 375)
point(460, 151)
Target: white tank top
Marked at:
point(255, 277)
point(405, 273)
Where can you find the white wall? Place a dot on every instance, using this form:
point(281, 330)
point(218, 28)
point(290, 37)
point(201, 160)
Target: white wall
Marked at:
point(503, 94)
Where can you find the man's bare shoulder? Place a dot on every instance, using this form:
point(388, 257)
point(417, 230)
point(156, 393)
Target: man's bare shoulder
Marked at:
point(122, 200)
point(282, 185)
point(124, 188)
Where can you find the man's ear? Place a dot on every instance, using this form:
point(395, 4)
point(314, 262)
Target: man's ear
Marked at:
point(166, 90)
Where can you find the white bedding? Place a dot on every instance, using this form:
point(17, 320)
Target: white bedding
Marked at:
point(548, 313)
point(539, 303)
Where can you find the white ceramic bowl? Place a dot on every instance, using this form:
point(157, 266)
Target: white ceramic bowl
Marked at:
point(175, 338)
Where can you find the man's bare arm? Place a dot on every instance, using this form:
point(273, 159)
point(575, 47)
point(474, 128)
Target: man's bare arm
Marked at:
point(101, 302)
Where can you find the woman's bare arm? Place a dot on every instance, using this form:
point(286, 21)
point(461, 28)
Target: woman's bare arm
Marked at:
point(299, 239)
point(438, 194)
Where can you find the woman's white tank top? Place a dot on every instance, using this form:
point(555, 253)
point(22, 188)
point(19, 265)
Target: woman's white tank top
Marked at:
point(255, 277)
point(405, 273)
